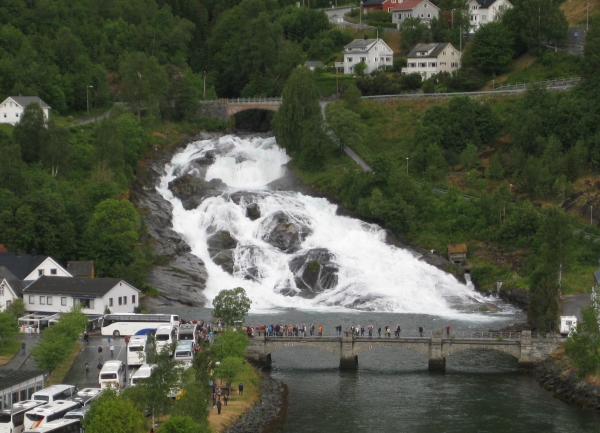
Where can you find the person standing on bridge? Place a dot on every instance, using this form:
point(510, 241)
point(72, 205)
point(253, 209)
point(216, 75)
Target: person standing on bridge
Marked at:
point(370, 327)
point(320, 330)
point(312, 329)
point(398, 331)
point(421, 330)
point(379, 331)
point(447, 330)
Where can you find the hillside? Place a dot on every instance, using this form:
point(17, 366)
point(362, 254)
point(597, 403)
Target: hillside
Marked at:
point(576, 10)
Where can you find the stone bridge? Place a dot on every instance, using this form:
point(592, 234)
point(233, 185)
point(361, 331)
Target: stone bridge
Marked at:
point(527, 350)
point(225, 108)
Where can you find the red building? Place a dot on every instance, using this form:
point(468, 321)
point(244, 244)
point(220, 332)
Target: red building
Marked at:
point(381, 5)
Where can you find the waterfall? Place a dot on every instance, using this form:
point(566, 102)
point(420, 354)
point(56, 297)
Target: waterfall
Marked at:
point(296, 252)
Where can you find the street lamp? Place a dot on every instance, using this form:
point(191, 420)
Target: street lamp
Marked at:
point(452, 22)
point(87, 97)
point(407, 165)
point(126, 360)
point(511, 188)
point(360, 12)
point(591, 214)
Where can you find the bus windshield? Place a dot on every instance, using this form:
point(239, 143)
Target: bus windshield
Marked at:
point(34, 416)
point(5, 418)
point(41, 398)
point(162, 337)
point(136, 348)
point(108, 376)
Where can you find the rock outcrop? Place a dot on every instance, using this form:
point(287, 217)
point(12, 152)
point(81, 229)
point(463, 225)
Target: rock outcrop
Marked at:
point(221, 247)
point(314, 271)
point(284, 232)
point(192, 190)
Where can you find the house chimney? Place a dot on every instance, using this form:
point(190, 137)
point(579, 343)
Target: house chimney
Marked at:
point(34, 252)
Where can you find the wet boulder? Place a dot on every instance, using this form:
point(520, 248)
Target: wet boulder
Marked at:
point(192, 190)
point(253, 211)
point(221, 248)
point(315, 271)
point(285, 232)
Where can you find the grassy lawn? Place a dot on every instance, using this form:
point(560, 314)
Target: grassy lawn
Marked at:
point(8, 350)
point(7, 129)
point(58, 375)
point(238, 404)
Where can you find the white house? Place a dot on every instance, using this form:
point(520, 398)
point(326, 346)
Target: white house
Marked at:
point(56, 294)
point(12, 108)
point(431, 59)
point(485, 11)
point(424, 10)
point(10, 288)
point(29, 267)
point(374, 52)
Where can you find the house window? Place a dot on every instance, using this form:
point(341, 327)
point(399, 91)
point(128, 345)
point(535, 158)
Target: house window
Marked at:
point(120, 300)
point(8, 304)
point(85, 303)
point(1, 291)
point(483, 18)
point(110, 302)
point(124, 300)
point(63, 301)
point(363, 59)
point(452, 53)
point(42, 300)
point(40, 272)
point(422, 65)
point(17, 115)
point(432, 64)
point(52, 271)
point(349, 59)
point(31, 299)
point(422, 15)
point(428, 15)
point(49, 300)
point(133, 299)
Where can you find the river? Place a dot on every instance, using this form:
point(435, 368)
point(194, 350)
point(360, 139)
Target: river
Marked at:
point(330, 270)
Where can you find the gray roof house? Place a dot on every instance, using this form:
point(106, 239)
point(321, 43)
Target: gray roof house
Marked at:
point(424, 10)
point(55, 295)
point(11, 109)
point(375, 53)
point(29, 267)
point(430, 59)
point(83, 269)
point(11, 288)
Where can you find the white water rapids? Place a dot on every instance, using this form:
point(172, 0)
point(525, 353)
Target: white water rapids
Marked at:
point(372, 275)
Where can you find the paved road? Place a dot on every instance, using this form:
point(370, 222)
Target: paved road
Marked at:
point(23, 362)
point(76, 376)
point(571, 304)
point(93, 118)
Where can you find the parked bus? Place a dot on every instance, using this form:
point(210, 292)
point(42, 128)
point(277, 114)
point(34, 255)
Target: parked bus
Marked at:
point(58, 426)
point(136, 324)
point(86, 396)
point(137, 350)
point(12, 420)
point(55, 392)
point(142, 373)
point(188, 331)
point(77, 413)
point(165, 336)
point(112, 374)
point(39, 416)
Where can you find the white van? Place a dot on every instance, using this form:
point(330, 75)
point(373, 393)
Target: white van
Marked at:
point(39, 416)
point(184, 351)
point(568, 324)
point(141, 374)
point(55, 392)
point(136, 351)
point(112, 374)
point(165, 335)
point(12, 420)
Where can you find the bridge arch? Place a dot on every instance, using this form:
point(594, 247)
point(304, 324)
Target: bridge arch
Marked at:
point(513, 350)
point(234, 108)
point(419, 347)
point(331, 347)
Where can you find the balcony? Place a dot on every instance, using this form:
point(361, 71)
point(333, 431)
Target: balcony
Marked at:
point(339, 64)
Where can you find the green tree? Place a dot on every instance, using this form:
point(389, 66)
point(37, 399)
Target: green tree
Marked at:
point(182, 424)
point(346, 125)
point(491, 49)
point(495, 170)
point(468, 157)
point(231, 305)
point(8, 327)
point(144, 81)
point(583, 346)
point(230, 367)
point(543, 310)
point(360, 68)
point(114, 414)
point(16, 308)
point(231, 343)
point(352, 98)
point(315, 143)
point(591, 52)
point(413, 31)
point(300, 103)
point(30, 133)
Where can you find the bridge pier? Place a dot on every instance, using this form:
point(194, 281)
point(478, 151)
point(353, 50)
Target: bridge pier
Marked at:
point(437, 361)
point(348, 360)
point(349, 363)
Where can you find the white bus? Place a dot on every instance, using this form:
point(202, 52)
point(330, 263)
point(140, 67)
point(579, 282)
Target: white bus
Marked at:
point(142, 373)
point(112, 374)
point(86, 396)
point(11, 420)
point(58, 426)
point(188, 331)
point(137, 350)
point(55, 392)
point(136, 324)
point(41, 415)
point(165, 335)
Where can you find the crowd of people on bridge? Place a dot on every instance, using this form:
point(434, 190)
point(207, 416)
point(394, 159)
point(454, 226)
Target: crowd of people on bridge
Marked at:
point(302, 330)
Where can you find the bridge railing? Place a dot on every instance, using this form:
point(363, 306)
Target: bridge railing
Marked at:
point(454, 335)
point(242, 101)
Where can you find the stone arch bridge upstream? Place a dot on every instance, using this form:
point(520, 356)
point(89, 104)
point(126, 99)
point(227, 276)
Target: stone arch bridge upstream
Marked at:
point(528, 349)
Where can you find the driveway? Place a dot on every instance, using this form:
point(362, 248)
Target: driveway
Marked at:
point(572, 304)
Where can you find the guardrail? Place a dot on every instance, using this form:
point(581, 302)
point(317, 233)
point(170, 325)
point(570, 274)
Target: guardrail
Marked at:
point(242, 101)
point(458, 335)
point(444, 95)
point(547, 83)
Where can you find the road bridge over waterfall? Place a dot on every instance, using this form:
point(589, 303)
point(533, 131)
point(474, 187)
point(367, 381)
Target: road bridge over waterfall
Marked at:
point(225, 108)
point(527, 349)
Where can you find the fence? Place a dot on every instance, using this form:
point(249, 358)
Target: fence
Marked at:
point(458, 335)
point(547, 83)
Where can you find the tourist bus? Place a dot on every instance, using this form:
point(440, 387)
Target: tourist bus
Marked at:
point(86, 396)
point(11, 420)
point(58, 426)
point(137, 350)
point(112, 374)
point(136, 324)
point(165, 336)
point(188, 331)
point(143, 373)
point(41, 415)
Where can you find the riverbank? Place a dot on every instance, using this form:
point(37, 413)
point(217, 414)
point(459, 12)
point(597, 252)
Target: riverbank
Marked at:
point(557, 375)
